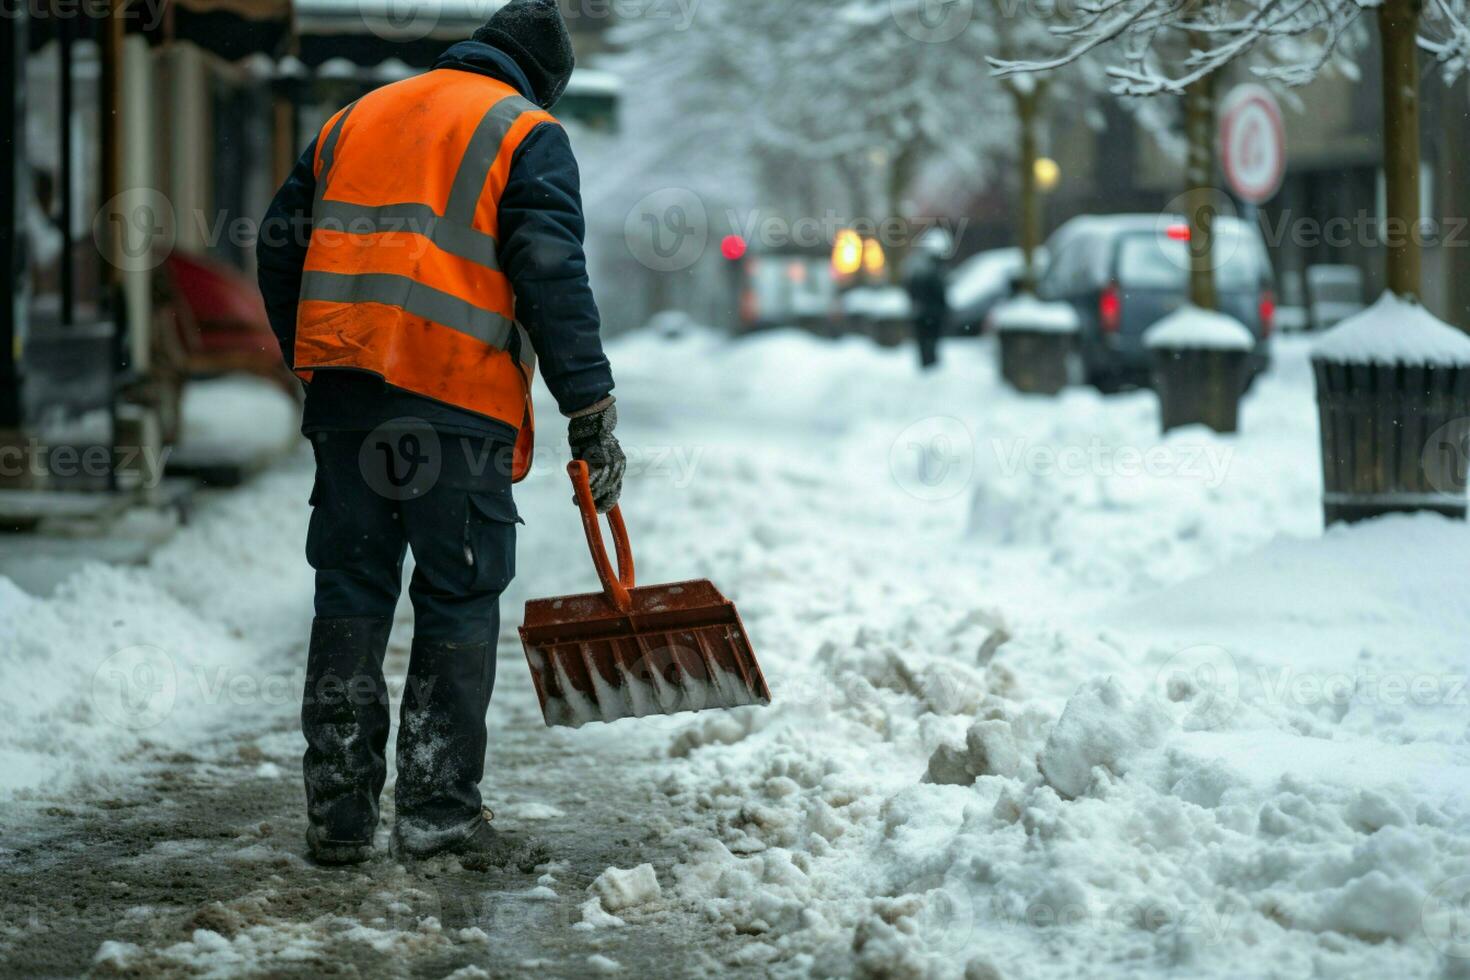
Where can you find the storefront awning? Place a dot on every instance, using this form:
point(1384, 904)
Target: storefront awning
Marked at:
point(370, 32)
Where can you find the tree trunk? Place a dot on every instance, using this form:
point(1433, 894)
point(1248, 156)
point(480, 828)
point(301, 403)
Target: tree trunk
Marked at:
point(1397, 24)
point(1454, 170)
point(1199, 174)
point(900, 173)
point(1028, 102)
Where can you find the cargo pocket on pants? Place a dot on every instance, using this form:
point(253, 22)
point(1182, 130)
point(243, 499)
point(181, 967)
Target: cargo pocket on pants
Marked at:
point(490, 540)
point(316, 527)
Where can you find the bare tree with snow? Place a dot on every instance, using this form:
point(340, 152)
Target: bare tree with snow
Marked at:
point(1294, 40)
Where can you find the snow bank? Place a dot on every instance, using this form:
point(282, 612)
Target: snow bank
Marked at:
point(122, 662)
point(1059, 720)
point(1394, 331)
point(878, 303)
point(237, 416)
point(1190, 327)
point(1026, 312)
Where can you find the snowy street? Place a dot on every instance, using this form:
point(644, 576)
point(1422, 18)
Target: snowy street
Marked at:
point(1054, 696)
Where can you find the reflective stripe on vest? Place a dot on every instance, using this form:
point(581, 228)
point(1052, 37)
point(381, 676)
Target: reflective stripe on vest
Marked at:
point(402, 277)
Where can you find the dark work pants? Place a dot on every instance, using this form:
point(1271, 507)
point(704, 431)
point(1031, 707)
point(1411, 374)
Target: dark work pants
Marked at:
point(446, 497)
point(927, 328)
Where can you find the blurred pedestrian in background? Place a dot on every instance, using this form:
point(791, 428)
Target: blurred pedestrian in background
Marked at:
point(925, 279)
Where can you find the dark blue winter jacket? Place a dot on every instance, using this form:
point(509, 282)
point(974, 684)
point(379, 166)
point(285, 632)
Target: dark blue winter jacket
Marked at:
point(540, 249)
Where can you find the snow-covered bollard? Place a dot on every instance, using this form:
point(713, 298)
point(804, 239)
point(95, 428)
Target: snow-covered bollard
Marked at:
point(883, 313)
point(1393, 399)
point(1199, 365)
point(1038, 344)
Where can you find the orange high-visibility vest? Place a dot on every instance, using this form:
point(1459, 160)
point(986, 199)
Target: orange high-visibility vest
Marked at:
point(401, 277)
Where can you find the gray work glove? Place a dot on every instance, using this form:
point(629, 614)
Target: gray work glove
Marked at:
point(593, 442)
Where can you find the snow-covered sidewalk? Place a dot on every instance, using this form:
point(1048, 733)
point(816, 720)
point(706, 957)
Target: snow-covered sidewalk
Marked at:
point(1054, 695)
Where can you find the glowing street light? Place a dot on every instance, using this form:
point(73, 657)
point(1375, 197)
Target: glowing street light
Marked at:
point(1047, 174)
point(873, 257)
point(847, 252)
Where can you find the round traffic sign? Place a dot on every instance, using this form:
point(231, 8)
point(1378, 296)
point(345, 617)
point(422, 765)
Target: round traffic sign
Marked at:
point(1252, 143)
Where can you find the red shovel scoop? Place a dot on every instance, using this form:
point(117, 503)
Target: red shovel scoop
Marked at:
point(635, 650)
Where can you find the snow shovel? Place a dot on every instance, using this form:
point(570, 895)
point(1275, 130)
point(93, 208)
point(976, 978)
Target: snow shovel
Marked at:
point(631, 651)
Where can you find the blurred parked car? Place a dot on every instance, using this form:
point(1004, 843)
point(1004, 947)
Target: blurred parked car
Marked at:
point(1124, 272)
point(981, 282)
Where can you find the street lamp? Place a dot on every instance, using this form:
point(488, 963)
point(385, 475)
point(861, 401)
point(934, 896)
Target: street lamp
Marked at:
point(1048, 174)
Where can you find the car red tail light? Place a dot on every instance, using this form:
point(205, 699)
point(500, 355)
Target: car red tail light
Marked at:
point(1110, 309)
point(1268, 312)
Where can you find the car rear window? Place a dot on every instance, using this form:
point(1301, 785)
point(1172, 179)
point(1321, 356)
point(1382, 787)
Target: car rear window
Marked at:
point(1155, 261)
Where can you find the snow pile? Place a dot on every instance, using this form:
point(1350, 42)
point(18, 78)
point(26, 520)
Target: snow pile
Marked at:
point(237, 416)
point(1191, 328)
point(1102, 731)
point(119, 662)
point(1101, 726)
point(1394, 330)
point(877, 303)
point(1026, 312)
point(1053, 695)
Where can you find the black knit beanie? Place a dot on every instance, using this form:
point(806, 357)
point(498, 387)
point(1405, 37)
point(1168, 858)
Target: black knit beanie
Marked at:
point(534, 34)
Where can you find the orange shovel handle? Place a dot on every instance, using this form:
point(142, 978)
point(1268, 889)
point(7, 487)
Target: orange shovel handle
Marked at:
point(615, 586)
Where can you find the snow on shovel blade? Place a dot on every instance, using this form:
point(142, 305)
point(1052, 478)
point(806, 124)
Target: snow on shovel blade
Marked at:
point(631, 651)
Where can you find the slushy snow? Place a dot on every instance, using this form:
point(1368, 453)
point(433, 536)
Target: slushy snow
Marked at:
point(1054, 695)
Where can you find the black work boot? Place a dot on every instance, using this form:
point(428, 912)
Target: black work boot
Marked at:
point(441, 746)
point(345, 718)
point(483, 848)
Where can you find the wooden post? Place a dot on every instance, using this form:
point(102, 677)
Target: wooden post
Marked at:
point(1454, 190)
point(1398, 21)
point(15, 189)
point(1028, 101)
point(110, 104)
point(1199, 174)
